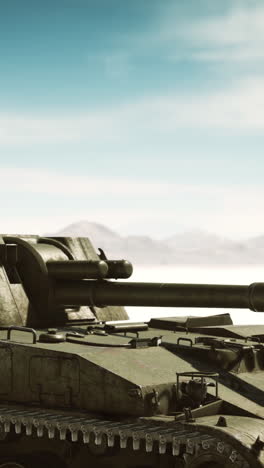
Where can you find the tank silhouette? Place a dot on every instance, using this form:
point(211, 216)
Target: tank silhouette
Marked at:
point(83, 386)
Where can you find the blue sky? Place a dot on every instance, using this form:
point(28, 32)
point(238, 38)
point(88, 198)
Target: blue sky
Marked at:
point(147, 116)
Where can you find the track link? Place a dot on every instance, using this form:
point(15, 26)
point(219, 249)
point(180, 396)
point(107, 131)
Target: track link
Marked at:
point(175, 439)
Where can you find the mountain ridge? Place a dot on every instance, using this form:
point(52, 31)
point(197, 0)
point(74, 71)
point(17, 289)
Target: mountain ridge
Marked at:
point(193, 246)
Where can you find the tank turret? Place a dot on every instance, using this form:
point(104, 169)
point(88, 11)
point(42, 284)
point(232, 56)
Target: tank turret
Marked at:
point(81, 385)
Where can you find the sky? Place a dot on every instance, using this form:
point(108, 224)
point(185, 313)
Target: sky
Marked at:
point(144, 115)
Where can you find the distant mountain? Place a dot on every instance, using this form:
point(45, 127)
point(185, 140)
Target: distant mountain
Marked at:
point(198, 239)
point(191, 247)
point(140, 249)
point(97, 233)
point(256, 242)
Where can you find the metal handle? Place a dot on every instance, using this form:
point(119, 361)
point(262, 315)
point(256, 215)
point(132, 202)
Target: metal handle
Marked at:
point(24, 329)
point(189, 340)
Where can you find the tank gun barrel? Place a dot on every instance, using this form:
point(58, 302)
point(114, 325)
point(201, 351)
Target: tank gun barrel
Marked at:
point(54, 281)
point(102, 293)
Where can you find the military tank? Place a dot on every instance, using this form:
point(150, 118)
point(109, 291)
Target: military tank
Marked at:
point(83, 386)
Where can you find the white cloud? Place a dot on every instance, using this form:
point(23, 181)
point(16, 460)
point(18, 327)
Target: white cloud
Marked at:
point(238, 108)
point(56, 183)
point(239, 26)
point(237, 35)
point(23, 129)
point(231, 56)
point(50, 182)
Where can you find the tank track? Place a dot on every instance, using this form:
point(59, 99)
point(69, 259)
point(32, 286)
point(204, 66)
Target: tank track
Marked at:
point(175, 439)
